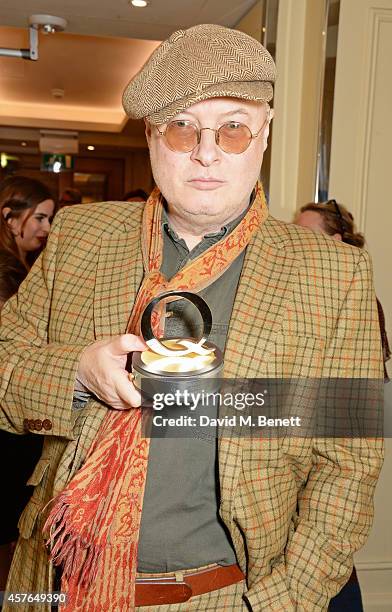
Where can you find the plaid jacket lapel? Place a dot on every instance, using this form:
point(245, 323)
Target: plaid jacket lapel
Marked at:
point(266, 286)
point(119, 274)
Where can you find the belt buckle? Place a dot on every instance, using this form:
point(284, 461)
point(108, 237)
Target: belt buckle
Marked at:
point(161, 591)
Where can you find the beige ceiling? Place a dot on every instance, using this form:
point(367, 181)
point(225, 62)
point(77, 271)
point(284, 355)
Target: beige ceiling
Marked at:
point(104, 45)
point(119, 18)
point(92, 71)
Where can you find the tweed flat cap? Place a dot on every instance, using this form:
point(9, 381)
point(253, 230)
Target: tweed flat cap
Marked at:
point(205, 61)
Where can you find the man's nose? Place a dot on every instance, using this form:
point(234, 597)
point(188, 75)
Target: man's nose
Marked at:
point(207, 151)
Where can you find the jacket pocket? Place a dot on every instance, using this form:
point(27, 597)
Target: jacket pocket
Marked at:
point(39, 472)
point(29, 516)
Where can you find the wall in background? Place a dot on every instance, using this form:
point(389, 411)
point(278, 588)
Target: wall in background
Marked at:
point(106, 175)
point(360, 177)
point(299, 58)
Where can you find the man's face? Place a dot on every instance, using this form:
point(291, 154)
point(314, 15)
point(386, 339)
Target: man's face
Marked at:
point(207, 185)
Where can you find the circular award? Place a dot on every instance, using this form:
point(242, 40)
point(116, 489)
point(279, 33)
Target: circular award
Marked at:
point(185, 346)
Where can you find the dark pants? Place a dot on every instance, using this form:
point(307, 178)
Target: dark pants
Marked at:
point(18, 457)
point(349, 599)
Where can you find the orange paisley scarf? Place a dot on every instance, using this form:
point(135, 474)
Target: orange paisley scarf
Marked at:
point(93, 525)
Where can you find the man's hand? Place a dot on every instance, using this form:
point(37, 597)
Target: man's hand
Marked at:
point(102, 371)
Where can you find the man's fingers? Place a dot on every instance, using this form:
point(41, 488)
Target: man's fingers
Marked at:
point(102, 371)
point(126, 391)
point(126, 343)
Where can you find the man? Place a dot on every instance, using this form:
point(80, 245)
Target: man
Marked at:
point(185, 524)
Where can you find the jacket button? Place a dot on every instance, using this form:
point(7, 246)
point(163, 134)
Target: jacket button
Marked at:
point(31, 424)
point(38, 424)
point(46, 424)
point(25, 424)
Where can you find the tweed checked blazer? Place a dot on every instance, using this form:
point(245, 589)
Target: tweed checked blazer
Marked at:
point(296, 509)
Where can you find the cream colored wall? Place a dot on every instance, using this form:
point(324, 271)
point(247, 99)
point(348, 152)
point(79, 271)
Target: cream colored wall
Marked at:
point(251, 23)
point(361, 178)
point(298, 57)
point(311, 91)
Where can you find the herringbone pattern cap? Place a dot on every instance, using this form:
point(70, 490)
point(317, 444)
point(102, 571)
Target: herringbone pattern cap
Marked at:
point(205, 61)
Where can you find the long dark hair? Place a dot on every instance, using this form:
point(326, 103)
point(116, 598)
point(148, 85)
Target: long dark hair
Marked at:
point(19, 193)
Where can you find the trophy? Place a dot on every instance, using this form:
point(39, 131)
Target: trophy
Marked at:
point(179, 363)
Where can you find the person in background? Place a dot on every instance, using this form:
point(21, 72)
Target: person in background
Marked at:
point(70, 197)
point(27, 210)
point(336, 221)
point(137, 195)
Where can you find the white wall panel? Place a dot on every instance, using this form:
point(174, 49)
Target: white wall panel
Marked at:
point(361, 177)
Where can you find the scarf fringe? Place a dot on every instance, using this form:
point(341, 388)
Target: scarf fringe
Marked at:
point(78, 558)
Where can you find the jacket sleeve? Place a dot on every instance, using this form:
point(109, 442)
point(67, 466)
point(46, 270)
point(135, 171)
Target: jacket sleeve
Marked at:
point(36, 377)
point(335, 508)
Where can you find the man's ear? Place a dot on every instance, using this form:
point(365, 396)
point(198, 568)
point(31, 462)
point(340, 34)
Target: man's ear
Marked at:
point(147, 131)
point(265, 137)
point(267, 130)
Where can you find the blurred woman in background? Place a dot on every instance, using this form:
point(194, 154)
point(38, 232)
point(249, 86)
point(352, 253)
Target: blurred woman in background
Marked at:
point(26, 212)
point(330, 218)
point(335, 220)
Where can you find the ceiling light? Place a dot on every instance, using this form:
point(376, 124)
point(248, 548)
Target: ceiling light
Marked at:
point(139, 3)
point(91, 147)
point(24, 144)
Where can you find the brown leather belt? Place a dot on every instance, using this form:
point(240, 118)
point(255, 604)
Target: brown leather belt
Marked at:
point(160, 590)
